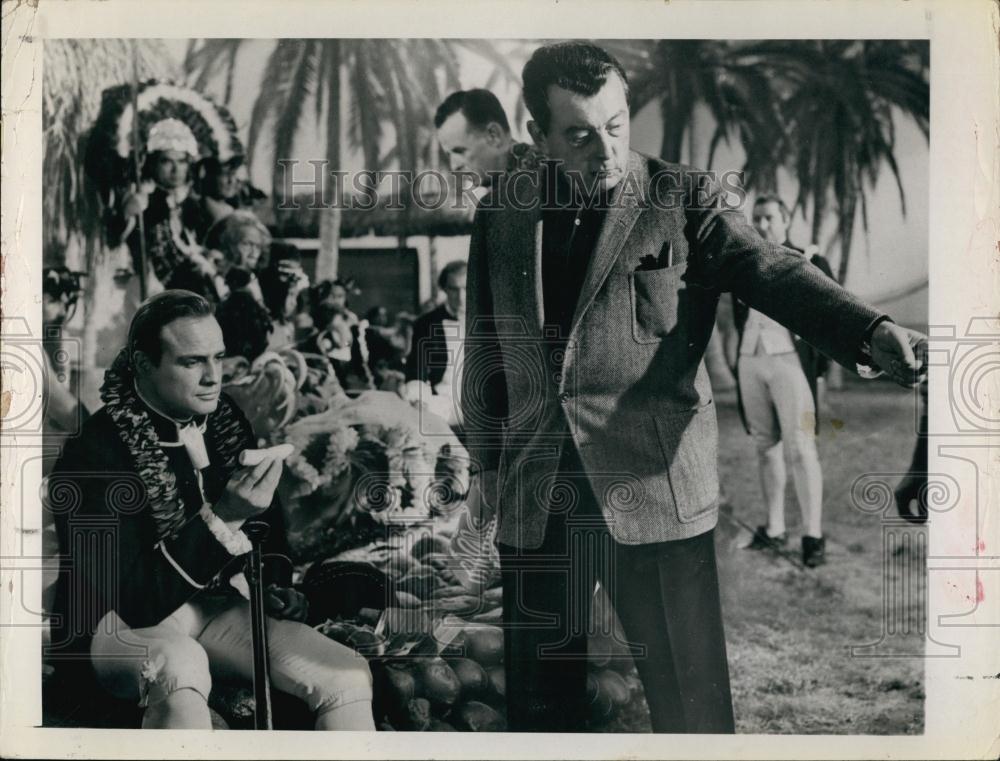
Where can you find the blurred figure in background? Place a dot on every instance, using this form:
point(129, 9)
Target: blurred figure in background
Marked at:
point(338, 337)
point(221, 189)
point(385, 358)
point(285, 288)
point(436, 348)
point(777, 378)
point(246, 324)
point(64, 413)
point(335, 293)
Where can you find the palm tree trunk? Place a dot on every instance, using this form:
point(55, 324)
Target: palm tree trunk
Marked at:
point(327, 260)
point(698, 136)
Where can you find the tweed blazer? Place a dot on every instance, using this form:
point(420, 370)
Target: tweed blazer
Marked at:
point(633, 393)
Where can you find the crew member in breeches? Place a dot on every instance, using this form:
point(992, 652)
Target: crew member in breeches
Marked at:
point(778, 378)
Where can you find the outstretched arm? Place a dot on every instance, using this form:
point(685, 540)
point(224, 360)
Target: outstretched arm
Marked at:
point(731, 256)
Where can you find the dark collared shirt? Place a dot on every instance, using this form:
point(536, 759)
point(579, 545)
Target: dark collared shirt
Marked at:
point(569, 235)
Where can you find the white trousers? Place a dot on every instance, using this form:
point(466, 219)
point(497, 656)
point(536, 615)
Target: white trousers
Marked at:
point(210, 637)
point(781, 415)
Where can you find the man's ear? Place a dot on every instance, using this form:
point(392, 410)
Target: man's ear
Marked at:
point(495, 134)
point(141, 363)
point(537, 136)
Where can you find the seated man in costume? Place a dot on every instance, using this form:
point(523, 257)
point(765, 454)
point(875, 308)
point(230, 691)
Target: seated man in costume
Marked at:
point(155, 490)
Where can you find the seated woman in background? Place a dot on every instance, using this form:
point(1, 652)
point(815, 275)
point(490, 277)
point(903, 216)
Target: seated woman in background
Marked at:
point(242, 239)
point(237, 240)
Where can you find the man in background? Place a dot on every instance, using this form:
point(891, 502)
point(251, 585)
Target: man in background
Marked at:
point(473, 130)
point(778, 377)
point(436, 349)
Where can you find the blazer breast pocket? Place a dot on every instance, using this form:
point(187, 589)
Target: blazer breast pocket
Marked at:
point(655, 298)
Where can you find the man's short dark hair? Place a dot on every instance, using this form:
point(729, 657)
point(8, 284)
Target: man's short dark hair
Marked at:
point(155, 314)
point(451, 268)
point(579, 67)
point(479, 107)
point(786, 213)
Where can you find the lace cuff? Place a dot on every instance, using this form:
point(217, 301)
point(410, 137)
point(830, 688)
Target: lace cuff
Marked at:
point(235, 542)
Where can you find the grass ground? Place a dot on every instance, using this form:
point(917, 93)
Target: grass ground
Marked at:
point(789, 630)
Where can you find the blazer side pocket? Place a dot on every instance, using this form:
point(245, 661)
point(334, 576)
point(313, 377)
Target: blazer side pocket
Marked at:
point(655, 296)
point(689, 441)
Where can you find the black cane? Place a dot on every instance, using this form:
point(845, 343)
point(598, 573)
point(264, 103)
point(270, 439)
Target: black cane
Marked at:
point(257, 532)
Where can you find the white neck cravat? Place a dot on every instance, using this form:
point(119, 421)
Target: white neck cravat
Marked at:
point(190, 435)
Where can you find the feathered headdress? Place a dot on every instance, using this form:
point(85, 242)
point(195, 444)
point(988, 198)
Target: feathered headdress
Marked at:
point(161, 108)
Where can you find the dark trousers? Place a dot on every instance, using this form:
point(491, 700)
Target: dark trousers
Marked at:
point(666, 596)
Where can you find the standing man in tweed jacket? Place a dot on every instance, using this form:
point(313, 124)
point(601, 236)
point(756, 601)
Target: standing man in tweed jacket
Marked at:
point(592, 290)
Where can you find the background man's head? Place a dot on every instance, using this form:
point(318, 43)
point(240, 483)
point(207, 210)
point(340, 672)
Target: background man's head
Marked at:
point(220, 179)
point(473, 130)
point(452, 282)
point(171, 149)
point(771, 218)
point(176, 349)
point(333, 292)
point(168, 169)
point(578, 97)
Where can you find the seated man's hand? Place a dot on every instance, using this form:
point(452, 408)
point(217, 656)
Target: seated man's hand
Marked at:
point(250, 491)
point(900, 353)
point(287, 603)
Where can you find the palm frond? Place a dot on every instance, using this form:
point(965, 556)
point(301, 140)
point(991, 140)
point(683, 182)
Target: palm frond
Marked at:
point(280, 68)
point(300, 86)
point(75, 73)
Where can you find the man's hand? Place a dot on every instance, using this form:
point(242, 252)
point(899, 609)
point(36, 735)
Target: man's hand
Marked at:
point(287, 603)
point(249, 491)
point(900, 353)
point(134, 204)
